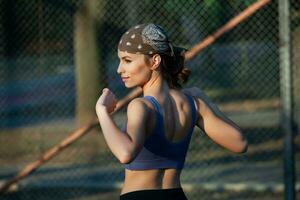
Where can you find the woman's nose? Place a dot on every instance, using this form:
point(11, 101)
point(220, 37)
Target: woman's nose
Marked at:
point(120, 69)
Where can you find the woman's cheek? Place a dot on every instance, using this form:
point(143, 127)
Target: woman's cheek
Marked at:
point(136, 69)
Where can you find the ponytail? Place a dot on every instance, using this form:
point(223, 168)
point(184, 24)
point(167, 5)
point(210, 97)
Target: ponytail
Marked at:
point(173, 69)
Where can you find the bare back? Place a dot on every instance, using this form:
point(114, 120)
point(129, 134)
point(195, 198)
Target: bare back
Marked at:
point(177, 120)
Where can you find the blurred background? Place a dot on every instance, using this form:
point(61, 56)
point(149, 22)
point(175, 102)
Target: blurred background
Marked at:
point(56, 56)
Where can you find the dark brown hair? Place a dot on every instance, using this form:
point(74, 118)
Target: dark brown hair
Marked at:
point(173, 69)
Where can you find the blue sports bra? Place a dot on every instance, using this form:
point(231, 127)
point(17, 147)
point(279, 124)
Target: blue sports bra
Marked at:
point(158, 152)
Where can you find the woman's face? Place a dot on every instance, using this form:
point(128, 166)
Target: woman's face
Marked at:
point(134, 69)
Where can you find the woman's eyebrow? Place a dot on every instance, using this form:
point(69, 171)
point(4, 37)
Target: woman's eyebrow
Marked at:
point(125, 57)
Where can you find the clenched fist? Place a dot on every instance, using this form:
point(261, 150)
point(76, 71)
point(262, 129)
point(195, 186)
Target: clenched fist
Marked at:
point(107, 101)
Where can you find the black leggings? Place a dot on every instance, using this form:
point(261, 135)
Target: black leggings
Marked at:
point(156, 194)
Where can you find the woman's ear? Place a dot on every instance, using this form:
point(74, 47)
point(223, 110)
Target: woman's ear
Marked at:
point(156, 60)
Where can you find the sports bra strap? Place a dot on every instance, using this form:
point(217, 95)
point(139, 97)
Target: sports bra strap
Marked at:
point(157, 107)
point(154, 102)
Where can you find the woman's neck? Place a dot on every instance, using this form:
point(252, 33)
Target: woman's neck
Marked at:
point(155, 86)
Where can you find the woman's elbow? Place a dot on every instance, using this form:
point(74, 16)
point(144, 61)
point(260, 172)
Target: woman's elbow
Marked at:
point(241, 143)
point(241, 148)
point(125, 158)
point(127, 155)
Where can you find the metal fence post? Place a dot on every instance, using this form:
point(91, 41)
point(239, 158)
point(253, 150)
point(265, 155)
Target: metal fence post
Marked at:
point(286, 97)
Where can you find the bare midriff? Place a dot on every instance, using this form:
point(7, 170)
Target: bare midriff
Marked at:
point(151, 179)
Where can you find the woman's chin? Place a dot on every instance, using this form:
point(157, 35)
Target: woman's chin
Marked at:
point(127, 85)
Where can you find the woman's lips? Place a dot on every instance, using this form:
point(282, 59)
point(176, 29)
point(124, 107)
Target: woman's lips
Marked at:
point(125, 78)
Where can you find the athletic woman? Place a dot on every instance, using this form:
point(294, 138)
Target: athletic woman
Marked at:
point(153, 145)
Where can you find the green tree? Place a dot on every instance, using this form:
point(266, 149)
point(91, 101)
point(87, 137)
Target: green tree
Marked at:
point(89, 80)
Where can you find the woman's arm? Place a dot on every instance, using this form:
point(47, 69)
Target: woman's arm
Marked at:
point(124, 146)
point(216, 125)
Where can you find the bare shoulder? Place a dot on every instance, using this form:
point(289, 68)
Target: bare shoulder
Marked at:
point(138, 104)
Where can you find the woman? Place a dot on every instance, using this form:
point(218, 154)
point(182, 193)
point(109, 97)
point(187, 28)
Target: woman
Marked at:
point(154, 143)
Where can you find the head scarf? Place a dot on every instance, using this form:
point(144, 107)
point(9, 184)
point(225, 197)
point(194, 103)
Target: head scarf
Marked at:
point(148, 39)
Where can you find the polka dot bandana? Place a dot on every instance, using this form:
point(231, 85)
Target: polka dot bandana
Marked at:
point(146, 39)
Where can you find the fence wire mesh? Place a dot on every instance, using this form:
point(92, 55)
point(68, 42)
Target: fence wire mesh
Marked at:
point(295, 47)
point(55, 56)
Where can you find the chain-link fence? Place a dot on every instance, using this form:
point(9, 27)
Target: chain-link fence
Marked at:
point(295, 40)
point(55, 56)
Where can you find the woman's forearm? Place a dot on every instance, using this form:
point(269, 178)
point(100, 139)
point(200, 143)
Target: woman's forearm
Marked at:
point(222, 130)
point(119, 143)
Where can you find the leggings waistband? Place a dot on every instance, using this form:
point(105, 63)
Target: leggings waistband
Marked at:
point(155, 194)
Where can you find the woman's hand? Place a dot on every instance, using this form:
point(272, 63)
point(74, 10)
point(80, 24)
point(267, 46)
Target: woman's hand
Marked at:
point(107, 101)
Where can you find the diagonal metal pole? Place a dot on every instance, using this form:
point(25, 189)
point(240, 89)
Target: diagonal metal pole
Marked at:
point(225, 28)
point(286, 92)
